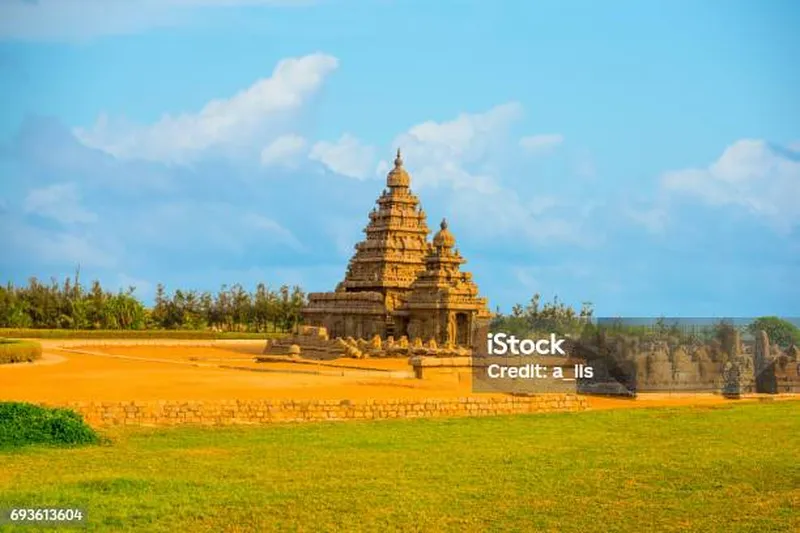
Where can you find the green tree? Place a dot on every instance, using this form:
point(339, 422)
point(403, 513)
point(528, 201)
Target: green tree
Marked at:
point(780, 331)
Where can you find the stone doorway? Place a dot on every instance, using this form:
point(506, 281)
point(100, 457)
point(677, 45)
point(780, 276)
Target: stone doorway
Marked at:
point(462, 329)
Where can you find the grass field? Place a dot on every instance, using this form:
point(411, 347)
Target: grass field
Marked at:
point(731, 468)
point(13, 351)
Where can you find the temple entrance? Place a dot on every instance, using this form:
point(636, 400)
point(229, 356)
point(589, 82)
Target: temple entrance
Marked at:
point(462, 329)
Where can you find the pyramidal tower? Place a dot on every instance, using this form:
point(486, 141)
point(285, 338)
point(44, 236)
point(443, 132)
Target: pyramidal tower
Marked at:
point(398, 283)
point(393, 253)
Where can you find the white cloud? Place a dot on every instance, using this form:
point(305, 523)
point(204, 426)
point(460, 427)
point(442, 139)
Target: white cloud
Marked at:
point(750, 174)
point(346, 156)
point(540, 144)
point(283, 151)
point(61, 202)
point(69, 20)
point(449, 153)
point(466, 155)
point(235, 123)
point(468, 133)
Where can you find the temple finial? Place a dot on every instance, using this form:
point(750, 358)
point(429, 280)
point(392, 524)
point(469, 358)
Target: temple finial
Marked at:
point(398, 161)
point(443, 225)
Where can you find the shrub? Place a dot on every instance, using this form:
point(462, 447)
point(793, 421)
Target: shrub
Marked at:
point(779, 331)
point(24, 424)
point(12, 351)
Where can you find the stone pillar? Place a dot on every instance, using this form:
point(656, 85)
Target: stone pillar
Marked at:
point(731, 342)
point(731, 380)
point(480, 331)
point(762, 365)
point(761, 355)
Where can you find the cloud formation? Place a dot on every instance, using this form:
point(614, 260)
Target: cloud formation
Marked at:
point(346, 156)
point(761, 178)
point(539, 144)
point(150, 203)
point(232, 125)
point(285, 150)
point(467, 163)
point(440, 153)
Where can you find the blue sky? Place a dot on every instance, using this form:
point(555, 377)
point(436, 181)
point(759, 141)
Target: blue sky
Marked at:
point(644, 156)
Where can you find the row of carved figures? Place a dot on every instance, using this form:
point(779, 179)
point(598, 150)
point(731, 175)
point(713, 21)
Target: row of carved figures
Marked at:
point(377, 347)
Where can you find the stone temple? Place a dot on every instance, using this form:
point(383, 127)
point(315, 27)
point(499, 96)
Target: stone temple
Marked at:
point(399, 283)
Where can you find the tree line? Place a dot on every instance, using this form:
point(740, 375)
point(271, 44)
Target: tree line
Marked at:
point(543, 318)
point(70, 305)
point(537, 318)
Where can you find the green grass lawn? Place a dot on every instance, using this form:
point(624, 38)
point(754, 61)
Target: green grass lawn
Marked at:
point(733, 468)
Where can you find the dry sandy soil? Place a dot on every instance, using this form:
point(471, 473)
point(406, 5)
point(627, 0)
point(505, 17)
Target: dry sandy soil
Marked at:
point(182, 370)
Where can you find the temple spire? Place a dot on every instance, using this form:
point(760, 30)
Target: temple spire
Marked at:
point(398, 177)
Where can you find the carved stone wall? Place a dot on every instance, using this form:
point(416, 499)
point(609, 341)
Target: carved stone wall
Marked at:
point(717, 366)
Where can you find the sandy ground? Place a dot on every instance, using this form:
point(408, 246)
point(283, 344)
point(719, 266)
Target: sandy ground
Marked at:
point(186, 370)
point(147, 372)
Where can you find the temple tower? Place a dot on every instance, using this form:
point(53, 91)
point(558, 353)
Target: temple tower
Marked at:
point(444, 304)
point(393, 253)
point(385, 264)
point(397, 283)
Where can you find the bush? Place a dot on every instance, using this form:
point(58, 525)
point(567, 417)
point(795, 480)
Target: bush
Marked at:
point(32, 333)
point(12, 351)
point(779, 331)
point(24, 424)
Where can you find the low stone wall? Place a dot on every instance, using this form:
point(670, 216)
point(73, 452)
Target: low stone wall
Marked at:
point(272, 411)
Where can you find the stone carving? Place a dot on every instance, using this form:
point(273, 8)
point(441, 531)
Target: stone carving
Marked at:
point(376, 343)
point(684, 370)
point(794, 353)
point(451, 329)
point(712, 366)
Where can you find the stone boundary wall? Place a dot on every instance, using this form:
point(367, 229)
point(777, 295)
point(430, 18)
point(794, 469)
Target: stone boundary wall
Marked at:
point(175, 412)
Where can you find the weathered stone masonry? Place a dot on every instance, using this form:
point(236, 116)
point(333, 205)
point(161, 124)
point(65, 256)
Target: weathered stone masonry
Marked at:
point(163, 413)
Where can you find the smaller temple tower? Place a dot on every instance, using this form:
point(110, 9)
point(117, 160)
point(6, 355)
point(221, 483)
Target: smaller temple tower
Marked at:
point(443, 303)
